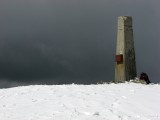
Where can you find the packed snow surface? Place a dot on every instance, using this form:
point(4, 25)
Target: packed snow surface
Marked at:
point(125, 101)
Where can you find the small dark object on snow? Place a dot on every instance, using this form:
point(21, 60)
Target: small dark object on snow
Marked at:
point(144, 77)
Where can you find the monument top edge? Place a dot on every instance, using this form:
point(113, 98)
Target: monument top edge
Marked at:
point(124, 16)
point(126, 19)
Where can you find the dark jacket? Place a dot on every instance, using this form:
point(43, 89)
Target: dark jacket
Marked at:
point(144, 77)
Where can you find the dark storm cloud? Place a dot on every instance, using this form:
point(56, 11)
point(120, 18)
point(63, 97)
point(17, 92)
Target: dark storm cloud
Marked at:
point(56, 42)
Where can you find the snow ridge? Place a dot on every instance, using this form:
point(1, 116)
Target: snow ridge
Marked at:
point(125, 101)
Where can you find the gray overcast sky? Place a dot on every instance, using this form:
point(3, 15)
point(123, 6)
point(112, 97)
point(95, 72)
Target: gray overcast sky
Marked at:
point(73, 41)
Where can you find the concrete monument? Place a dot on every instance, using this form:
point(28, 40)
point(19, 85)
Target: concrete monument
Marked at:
point(125, 67)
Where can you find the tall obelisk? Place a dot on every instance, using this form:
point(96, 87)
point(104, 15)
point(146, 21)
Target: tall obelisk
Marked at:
point(125, 68)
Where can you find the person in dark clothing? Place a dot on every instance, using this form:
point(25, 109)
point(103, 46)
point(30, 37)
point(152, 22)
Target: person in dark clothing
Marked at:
point(144, 77)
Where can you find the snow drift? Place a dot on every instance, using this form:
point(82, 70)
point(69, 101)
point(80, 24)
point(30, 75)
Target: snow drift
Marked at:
point(125, 101)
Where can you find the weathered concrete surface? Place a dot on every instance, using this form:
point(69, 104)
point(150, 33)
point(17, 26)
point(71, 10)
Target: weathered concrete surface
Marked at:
point(125, 70)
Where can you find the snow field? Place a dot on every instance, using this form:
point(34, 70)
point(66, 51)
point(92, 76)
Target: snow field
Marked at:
point(125, 101)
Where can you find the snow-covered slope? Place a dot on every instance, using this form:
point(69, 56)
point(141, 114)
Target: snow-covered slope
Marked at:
point(126, 101)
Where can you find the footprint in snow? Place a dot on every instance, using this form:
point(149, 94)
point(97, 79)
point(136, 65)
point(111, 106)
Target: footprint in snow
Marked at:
point(96, 113)
point(34, 100)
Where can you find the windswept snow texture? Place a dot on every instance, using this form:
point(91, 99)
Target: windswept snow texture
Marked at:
point(125, 101)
